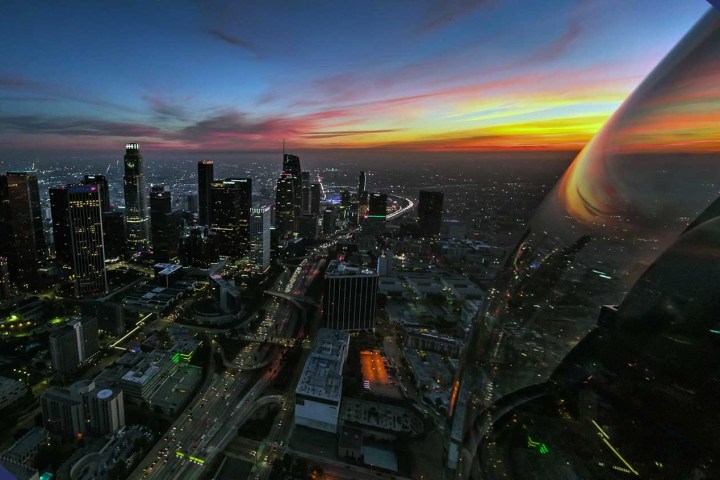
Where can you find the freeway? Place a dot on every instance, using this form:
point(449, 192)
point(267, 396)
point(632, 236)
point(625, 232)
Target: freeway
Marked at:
point(205, 427)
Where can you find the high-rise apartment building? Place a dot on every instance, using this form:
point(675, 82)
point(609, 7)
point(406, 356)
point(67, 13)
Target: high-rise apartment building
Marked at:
point(73, 345)
point(137, 228)
point(430, 210)
point(206, 172)
point(231, 200)
point(83, 408)
point(22, 240)
point(350, 297)
point(260, 237)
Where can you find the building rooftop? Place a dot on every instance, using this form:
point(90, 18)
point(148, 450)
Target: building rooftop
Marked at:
point(342, 269)
point(28, 442)
point(322, 375)
point(350, 438)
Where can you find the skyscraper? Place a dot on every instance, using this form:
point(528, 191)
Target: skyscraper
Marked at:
point(315, 198)
point(377, 213)
point(136, 215)
point(22, 240)
point(362, 184)
point(61, 224)
point(162, 230)
point(86, 239)
point(114, 234)
point(305, 185)
point(206, 174)
point(101, 182)
point(291, 166)
point(430, 209)
point(350, 297)
point(78, 234)
point(260, 237)
point(285, 218)
point(328, 220)
point(231, 200)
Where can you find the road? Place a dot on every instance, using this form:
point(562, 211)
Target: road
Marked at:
point(211, 420)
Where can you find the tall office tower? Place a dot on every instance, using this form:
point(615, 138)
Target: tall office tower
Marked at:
point(285, 218)
point(260, 237)
point(328, 220)
point(163, 233)
point(78, 233)
point(191, 203)
point(110, 315)
point(60, 212)
point(315, 198)
point(206, 175)
point(377, 213)
point(350, 297)
point(86, 239)
point(22, 240)
point(137, 226)
point(345, 202)
point(308, 227)
point(102, 183)
point(114, 234)
point(305, 186)
point(198, 247)
point(73, 345)
point(291, 166)
point(362, 184)
point(4, 279)
point(231, 200)
point(430, 209)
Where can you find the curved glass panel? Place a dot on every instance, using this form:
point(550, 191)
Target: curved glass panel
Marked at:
point(540, 364)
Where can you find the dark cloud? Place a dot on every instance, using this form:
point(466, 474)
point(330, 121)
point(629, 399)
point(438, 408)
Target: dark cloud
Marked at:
point(346, 133)
point(233, 40)
point(39, 124)
point(165, 109)
point(10, 82)
point(440, 13)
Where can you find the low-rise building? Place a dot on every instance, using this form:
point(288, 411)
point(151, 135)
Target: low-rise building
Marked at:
point(319, 390)
point(11, 391)
point(24, 451)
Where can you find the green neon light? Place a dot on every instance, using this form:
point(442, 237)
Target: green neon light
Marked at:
point(180, 454)
point(198, 460)
point(176, 358)
point(716, 332)
point(541, 447)
point(376, 216)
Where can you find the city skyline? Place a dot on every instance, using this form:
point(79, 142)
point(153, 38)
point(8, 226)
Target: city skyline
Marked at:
point(457, 76)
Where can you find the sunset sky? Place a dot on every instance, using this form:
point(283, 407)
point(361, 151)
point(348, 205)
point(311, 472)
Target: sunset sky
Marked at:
point(395, 75)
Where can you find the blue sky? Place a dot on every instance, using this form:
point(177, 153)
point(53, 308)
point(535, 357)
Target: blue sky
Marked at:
point(218, 76)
